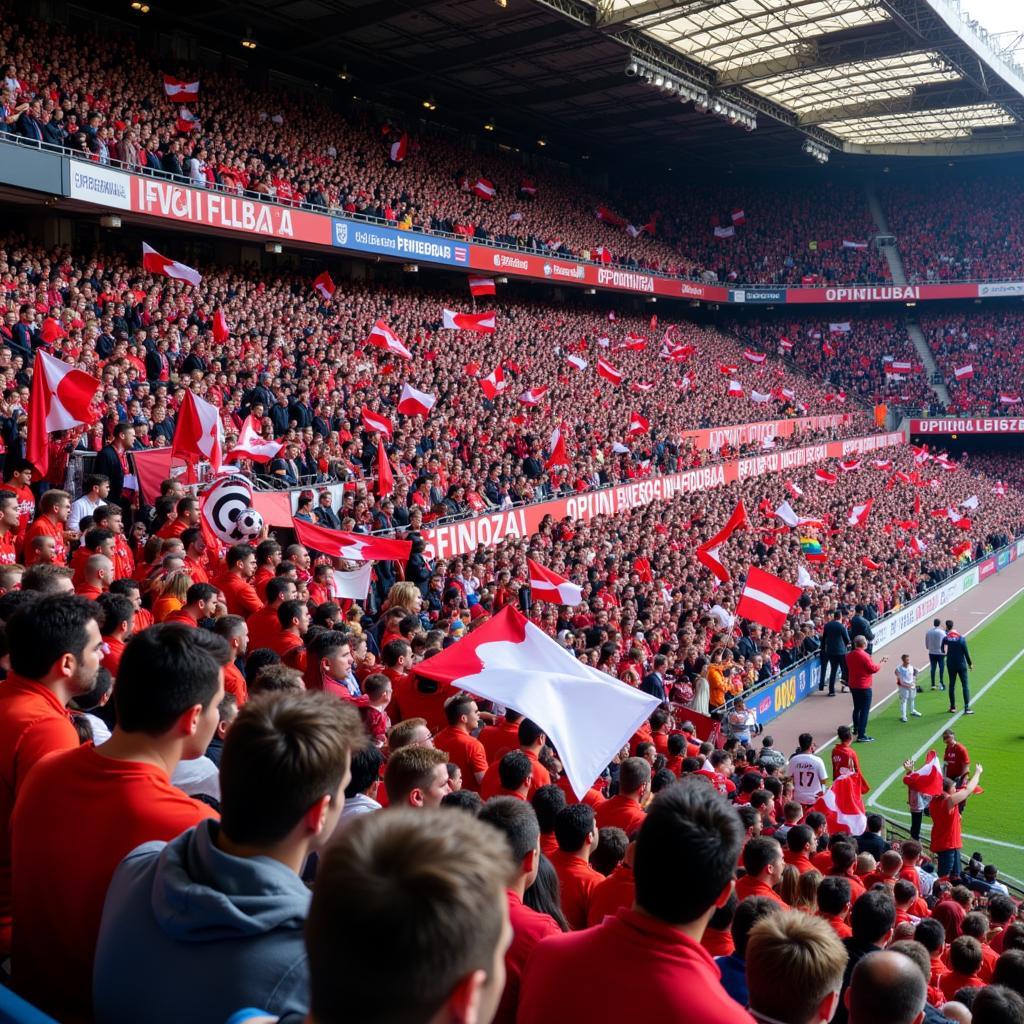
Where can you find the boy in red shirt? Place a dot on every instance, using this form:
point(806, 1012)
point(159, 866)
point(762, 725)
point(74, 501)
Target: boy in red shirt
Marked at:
point(463, 749)
point(965, 960)
point(577, 836)
point(52, 521)
point(102, 803)
point(648, 957)
point(624, 810)
point(762, 861)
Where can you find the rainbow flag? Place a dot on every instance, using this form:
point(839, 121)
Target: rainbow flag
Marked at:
point(811, 548)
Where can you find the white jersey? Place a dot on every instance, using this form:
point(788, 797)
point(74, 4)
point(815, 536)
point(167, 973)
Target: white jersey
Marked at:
point(809, 777)
point(906, 674)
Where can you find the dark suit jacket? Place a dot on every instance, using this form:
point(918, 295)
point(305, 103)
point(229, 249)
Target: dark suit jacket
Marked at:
point(107, 463)
point(652, 683)
point(835, 639)
point(859, 626)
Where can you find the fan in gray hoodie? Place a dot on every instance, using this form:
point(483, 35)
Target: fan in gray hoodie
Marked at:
point(197, 927)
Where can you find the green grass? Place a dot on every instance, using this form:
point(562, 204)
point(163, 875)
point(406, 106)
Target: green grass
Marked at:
point(994, 737)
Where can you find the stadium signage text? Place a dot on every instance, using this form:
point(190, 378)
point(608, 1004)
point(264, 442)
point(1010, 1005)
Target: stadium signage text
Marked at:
point(94, 183)
point(489, 530)
point(987, 425)
point(745, 433)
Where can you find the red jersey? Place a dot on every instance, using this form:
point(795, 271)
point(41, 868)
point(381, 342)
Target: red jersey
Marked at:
point(26, 505)
point(465, 751)
point(239, 594)
point(499, 739)
point(629, 967)
point(101, 808)
point(577, 881)
point(945, 825)
point(621, 812)
point(44, 526)
point(7, 552)
point(955, 761)
point(112, 658)
point(616, 892)
point(845, 761)
point(234, 682)
point(264, 627)
point(750, 886)
point(528, 928)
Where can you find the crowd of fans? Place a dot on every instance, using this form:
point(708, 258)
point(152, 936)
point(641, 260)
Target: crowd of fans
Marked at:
point(987, 348)
point(302, 367)
point(968, 230)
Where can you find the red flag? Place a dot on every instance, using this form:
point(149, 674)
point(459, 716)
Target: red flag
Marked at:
point(157, 264)
point(849, 465)
point(52, 330)
point(964, 372)
point(494, 383)
point(415, 403)
point(859, 513)
point(250, 445)
point(559, 456)
point(707, 553)
point(356, 547)
point(198, 433)
point(482, 323)
point(727, 369)
point(767, 599)
point(482, 286)
point(323, 284)
point(385, 477)
point(186, 122)
point(961, 549)
point(870, 563)
point(61, 399)
point(377, 423)
point(221, 331)
point(794, 491)
point(843, 806)
point(735, 389)
point(381, 336)
point(483, 188)
point(399, 148)
point(637, 425)
point(606, 370)
point(824, 477)
point(180, 92)
point(754, 357)
point(546, 585)
point(927, 780)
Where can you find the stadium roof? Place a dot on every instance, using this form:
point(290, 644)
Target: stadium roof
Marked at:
point(894, 77)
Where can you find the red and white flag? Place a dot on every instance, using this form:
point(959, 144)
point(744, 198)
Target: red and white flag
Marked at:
point(900, 366)
point(61, 399)
point(483, 188)
point(199, 433)
point(157, 264)
point(785, 344)
point(323, 284)
point(961, 549)
point(729, 232)
point(546, 585)
point(843, 806)
point(708, 553)
point(918, 546)
point(577, 361)
point(482, 286)
point(754, 357)
point(735, 389)
point(186, 122)
point(587, 715)
point(786, 513)
point(760, 397)
point(381, 336)
point(840, 328)
point(687, 381)
point(794, 491)
point(870, 563)
point(606, 370)
point(180, 92)
point(637, 425)
point(559, 455)
point(399, 148)
point(999, 489)
point(964, 372)
point(533, 396)
point(859, 513)
point(883, 464)
point(850, 465)
point(376, 423)
point(823, 476)
point(355, 547)
point(1009, 399)
point(738, 216)
point(482, 323)
point(727, 369)
point(609, 217)
point(767, 599)
point(642, 386)
point(415, 403)
point(494, 383)
point(385, 475)
point(926, 780)
point(787, 393)
point(250, 445)
point(603, 255)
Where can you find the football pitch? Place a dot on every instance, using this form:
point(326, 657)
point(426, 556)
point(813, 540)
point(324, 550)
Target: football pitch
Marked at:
point(993, 822)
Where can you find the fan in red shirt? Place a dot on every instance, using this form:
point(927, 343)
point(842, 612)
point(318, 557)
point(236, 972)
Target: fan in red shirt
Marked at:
point(762, 862)
point(234, 582)
point(18, 485)
point(648, 957)
point(577, 835)
point(844, 758)
point(834, 904)
point(118, 624)
point(235, 632)
point(52, 521)
point(501, 737)
point(531, 742)
point(944, 809)
point(104, 802)
point(9, 523)
point(457, 739)
point(55, 651)
point(625, 810)
point(616, 892)
point(955, 759)
point(293, 622)
point(264, 625)
point(519, 824)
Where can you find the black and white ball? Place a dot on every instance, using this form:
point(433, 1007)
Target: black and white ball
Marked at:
point(223, 502)
point(249, 524)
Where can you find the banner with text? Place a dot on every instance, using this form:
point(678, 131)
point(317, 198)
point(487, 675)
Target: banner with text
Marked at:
point(982, 425)
point(713, 438)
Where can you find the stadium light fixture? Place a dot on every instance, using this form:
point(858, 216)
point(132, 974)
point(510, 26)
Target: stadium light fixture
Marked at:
point(429, 104)
point(489, 126)
point(542, 141)
point(815, 151)
point(140, 7)
point(343, 73)
point(248, 43)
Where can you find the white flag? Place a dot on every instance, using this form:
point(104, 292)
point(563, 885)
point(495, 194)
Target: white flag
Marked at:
point(354, 585)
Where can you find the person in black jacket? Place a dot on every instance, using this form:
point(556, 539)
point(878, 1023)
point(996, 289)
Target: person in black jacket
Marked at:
point(654, 682)
point(958, 661)
point(859, 626)
point(835, 643)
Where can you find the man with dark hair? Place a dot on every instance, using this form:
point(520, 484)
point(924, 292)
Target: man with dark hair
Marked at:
point(234, 582)
point(835, 642)
point(236, 634)
point(264, 625)
point(733, 967)
point(112, 462)
point(268, 558)
point(102, 802)
point(416, 777)
point(800, 847)
point(51, 522)
point(958, 661)
point(514, 773)
point(834, 901)
point(547, 801)
point(194, 543)
point(654, 682)
point(186, 514)
point(577, 835)
point(55, 647)
point(649, 956)
point(231, 906)
point(373, 962)
point(872, 920)
point(516, 820)
point(532, 741)
point(996, 1004)
point(873, 840)
point(462, 747)
point(762, 862)
point(199, 608)
point(364, 784)
point(883, 988)
point(46, 578)
point(293, 622)
point(118, 615)
point(95, 490)
point(625, 809)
